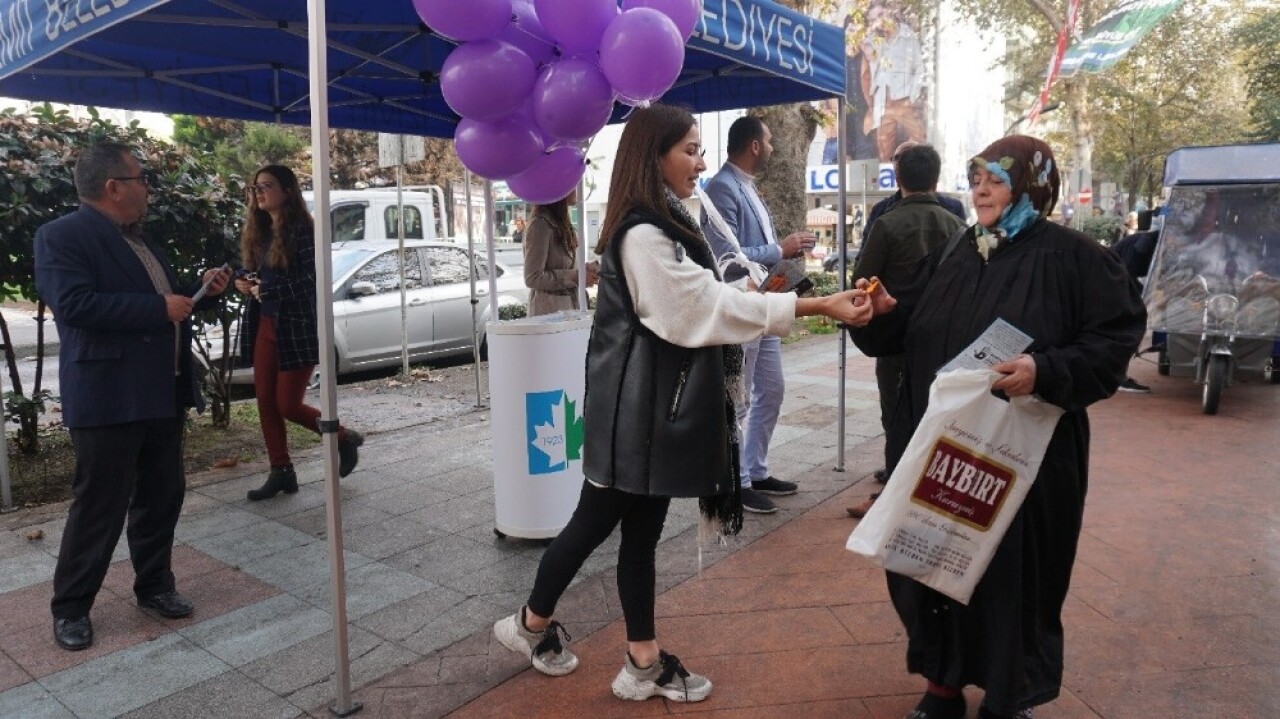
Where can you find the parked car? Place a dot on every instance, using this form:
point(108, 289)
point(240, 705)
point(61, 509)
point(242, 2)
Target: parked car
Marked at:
point(366, 304)
point(831, 263)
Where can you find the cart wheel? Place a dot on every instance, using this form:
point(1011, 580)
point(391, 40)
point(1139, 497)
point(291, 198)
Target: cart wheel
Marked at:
point(1162, 363)
point(1214, 381)
point(499, 533)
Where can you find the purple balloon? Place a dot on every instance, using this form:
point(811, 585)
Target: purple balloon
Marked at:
point(526, 33)
point(572, 99)
point(684, 13)
point(487, 79)
point(497, 150)
point(576, 25)
point(641, 33)
point(551, 178)
point(463, 21)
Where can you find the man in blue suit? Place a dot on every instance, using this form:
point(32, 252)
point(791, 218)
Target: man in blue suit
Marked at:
point(127, 380)
point(733, 192)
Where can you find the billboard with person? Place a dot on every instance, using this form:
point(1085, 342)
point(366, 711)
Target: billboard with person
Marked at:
point(885, 83)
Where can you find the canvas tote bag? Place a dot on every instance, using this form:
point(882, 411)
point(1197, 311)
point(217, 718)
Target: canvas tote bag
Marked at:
point(958, 485)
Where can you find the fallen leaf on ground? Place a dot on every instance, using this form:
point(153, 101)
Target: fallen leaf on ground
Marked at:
point(226, 462)
point(35, 535)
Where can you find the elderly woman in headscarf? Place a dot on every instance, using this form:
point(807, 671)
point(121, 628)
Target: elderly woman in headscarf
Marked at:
point(1085, 318)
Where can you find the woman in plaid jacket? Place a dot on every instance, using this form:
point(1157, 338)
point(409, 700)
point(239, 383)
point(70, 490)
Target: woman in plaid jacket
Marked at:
point(277, 250)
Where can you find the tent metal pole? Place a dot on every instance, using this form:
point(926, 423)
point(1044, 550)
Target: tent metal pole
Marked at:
point(489, 222)
point(6, 488)
point(318, 61)
point(404, 292)
point(475, 299)
point(582, 243)
point(842, 241)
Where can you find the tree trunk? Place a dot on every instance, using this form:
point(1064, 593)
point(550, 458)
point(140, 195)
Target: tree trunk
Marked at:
point(782, 183)
point(1082, 132)
point(447, 211)
point(24, 407)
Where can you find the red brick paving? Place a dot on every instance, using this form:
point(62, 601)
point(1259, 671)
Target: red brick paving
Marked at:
point(26, 636)
point(1171, 613)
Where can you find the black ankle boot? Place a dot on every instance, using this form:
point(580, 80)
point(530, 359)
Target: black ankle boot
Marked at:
point(281, 479)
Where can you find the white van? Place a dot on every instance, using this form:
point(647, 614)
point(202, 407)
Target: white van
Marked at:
point(371, 215)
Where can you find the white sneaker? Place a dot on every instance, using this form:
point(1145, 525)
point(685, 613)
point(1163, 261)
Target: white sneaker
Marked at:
point(544, 648)
point(667, 678)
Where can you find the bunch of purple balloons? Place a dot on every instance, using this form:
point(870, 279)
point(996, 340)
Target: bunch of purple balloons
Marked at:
point(534, 80)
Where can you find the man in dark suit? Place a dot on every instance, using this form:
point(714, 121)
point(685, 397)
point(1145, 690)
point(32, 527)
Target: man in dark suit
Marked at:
point(127, 379)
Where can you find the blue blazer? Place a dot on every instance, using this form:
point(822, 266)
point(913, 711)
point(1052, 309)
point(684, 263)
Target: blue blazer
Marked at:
point(732, 198)
point(116, 359)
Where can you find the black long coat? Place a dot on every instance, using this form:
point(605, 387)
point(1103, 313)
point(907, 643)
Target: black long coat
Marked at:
point(1086, 317)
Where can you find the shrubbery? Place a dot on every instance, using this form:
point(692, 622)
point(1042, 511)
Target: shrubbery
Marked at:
point(194, 214)
point(1103, 228)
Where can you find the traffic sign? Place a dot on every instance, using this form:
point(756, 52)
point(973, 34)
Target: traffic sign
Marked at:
point(1086, 196)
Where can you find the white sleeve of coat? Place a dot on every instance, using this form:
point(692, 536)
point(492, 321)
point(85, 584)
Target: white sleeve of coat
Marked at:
point(684, 303)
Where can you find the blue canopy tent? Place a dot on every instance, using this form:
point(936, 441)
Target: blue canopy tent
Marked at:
point(377, 70)
point(249, 60)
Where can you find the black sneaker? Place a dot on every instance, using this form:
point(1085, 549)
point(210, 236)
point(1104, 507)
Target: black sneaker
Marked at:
point(774, 486)
point(881, 475)
point(753, 501)
point(1131, 385)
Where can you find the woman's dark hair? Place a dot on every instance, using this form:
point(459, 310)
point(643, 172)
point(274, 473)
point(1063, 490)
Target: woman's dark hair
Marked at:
point(258, 228)
point(557, 215)
point(637, 179)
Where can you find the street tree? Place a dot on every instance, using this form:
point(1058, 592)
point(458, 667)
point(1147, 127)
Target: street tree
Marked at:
point(1165, 94)
point(237, 148)
point(1259, 35)
point(1036, 24)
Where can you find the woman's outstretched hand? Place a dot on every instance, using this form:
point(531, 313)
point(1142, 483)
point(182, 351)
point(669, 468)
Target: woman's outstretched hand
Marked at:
point(850, 307)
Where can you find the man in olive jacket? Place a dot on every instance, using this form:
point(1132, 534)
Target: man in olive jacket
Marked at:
point(914, 227)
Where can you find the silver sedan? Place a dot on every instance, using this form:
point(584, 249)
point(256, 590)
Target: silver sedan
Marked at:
point(366, 303)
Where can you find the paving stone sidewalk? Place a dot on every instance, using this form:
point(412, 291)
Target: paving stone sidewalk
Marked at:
point(425, 575)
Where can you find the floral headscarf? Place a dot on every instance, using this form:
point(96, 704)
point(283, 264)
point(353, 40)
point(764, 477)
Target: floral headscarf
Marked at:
point(1027, 166)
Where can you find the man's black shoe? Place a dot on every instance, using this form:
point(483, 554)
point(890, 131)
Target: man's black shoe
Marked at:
point(349, 452)
point(881, 475)
point(1131, 385)
point(774, 486)
point(168, 604)
point(73, 634)
point(753, 501)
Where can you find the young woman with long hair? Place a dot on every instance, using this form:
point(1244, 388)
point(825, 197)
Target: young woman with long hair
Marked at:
point(663, 366)
point(277, 252)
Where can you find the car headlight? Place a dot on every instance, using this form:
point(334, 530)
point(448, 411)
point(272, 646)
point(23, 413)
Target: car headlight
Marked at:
point(1221, 309)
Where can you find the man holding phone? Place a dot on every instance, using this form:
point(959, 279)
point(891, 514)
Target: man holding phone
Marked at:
point(127, 378)
point(733, 192)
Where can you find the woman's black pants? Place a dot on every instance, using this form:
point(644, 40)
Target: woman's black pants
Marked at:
point(599, 511)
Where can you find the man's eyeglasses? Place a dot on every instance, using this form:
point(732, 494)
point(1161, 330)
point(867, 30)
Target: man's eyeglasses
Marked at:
point(138, 178)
